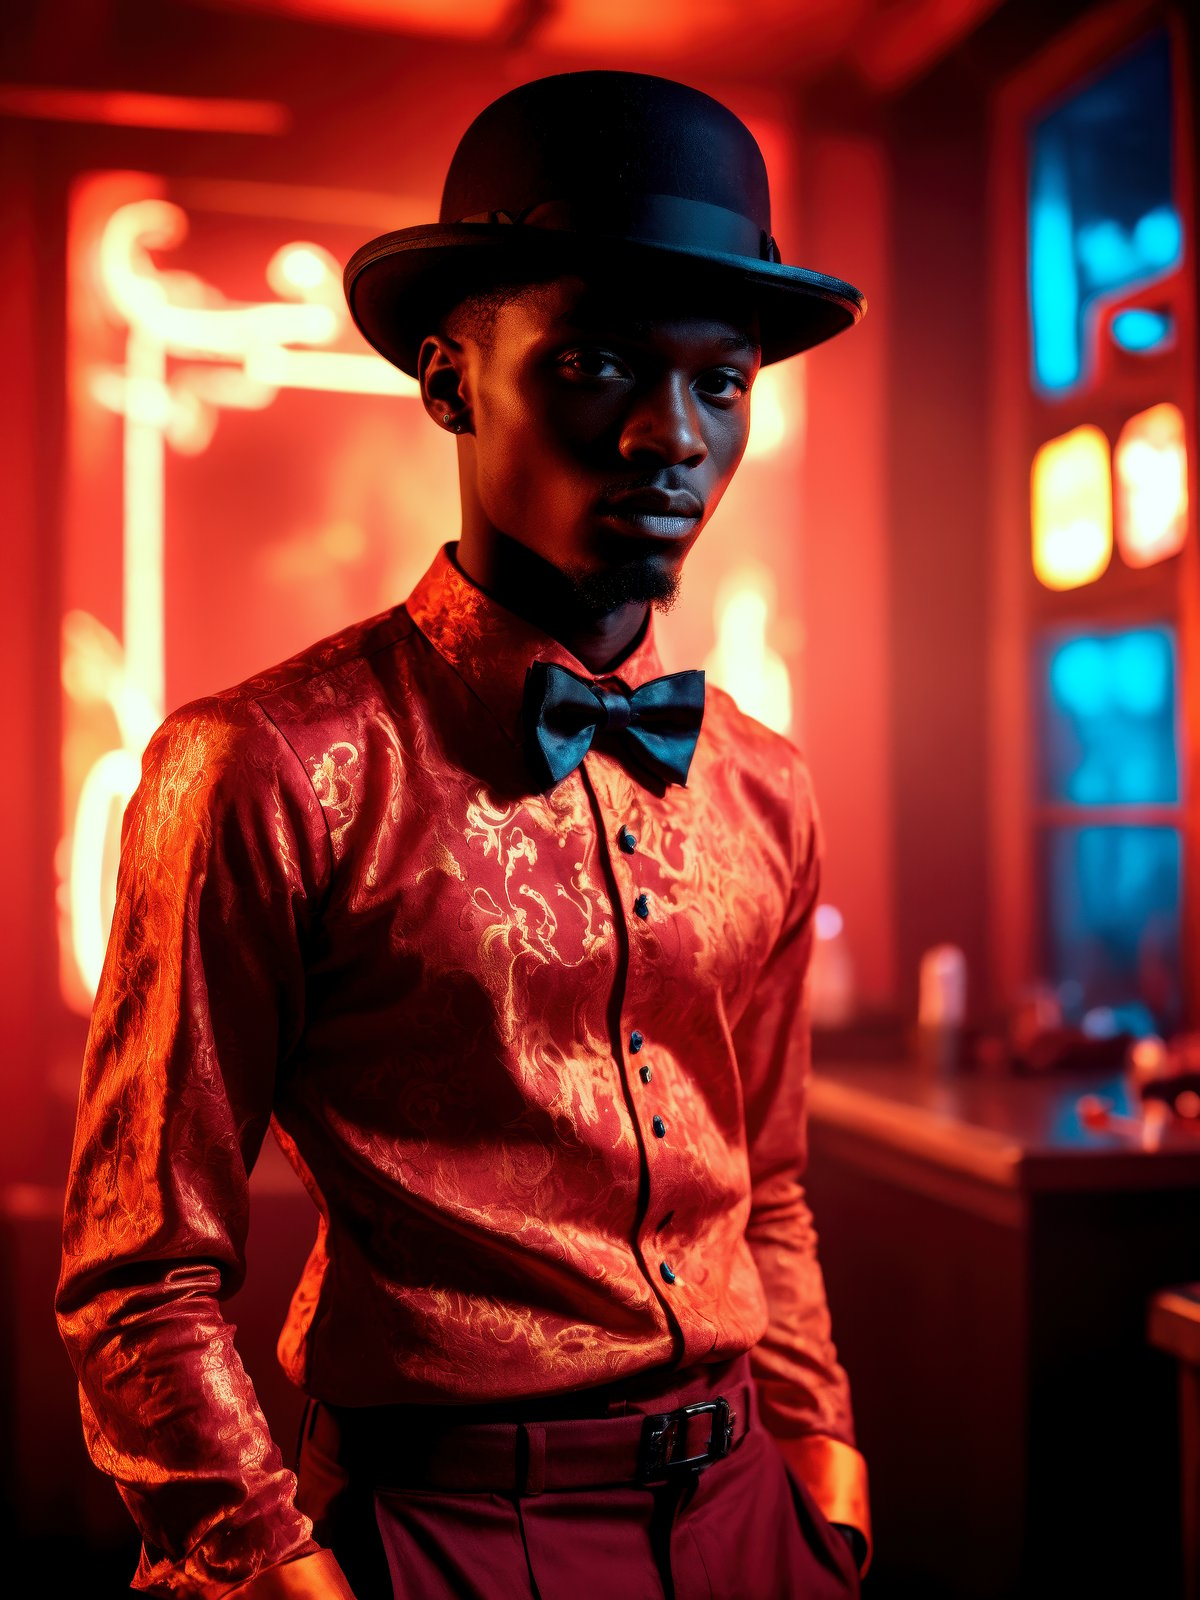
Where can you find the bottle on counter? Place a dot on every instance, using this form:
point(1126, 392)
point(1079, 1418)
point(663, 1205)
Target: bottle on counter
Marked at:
point(941, 1009)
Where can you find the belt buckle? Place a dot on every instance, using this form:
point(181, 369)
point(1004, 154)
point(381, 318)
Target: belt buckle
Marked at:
point(661, 1432)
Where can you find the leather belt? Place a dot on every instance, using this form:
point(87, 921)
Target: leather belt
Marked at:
point(526, 1456)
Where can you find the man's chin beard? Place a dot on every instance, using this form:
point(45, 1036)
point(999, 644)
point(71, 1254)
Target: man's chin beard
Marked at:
point(595, 593)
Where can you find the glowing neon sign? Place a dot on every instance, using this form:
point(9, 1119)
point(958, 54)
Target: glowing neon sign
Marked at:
point(1071, 495)
point(742, 661)
point(189, 354)
point(1150, 472)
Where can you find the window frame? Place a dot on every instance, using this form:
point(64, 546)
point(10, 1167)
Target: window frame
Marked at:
point(1021, 609)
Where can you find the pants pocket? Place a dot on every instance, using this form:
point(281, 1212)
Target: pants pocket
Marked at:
point(812, 1517)
point(453, 1545)
point(757, 1532)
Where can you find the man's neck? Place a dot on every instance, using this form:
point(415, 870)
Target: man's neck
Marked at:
point(523, 582)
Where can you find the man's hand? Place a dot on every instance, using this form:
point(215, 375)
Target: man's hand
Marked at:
point(858, 1545)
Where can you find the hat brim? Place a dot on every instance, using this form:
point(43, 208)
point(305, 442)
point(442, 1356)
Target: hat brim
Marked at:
point(398, 285)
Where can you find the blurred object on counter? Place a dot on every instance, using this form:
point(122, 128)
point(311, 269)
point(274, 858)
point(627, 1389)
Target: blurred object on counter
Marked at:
point(1036, 1038)
point(1148, 1065)
point(942, 1009)
point(1038, 1011)
point(1145, 1126)
point(831, 974)
point(1148, 1058)
point(1070, 1049)
point(1041, 1039)
point(1067, 1049)
point(1167, 1073)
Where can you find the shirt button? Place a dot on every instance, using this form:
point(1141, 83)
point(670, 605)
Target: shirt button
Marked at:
point(642, 905)
point(636, 1041)
point(627, 839)
point(646, 1074)
point(666, 1272)
point(660, 1127)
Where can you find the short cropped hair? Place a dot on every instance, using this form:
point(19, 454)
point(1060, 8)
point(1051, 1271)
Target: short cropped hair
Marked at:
point(661, 283)
point(475, 315)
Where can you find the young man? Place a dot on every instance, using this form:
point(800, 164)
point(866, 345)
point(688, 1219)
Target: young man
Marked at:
point(505, 933)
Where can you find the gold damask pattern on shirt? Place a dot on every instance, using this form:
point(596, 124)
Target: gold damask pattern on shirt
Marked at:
point(345, 912)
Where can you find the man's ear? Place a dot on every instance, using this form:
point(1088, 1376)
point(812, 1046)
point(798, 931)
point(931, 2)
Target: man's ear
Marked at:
point(441, 373)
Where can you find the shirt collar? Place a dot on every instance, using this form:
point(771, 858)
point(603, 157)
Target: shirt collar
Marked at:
point(491, 648)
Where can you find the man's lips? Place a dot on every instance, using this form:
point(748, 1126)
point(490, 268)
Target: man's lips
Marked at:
point(655, 512)
point(667, 527)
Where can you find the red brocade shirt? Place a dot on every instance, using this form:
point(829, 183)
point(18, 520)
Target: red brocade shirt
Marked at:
point(345, 912)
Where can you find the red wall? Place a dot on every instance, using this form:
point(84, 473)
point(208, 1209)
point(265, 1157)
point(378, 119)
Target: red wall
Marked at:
point(28, 663)
point(847, 683)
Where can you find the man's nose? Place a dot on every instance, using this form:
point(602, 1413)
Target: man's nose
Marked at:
point(664, 419)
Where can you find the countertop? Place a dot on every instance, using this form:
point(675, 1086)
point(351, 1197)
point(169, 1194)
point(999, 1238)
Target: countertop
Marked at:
point(1009, 1133)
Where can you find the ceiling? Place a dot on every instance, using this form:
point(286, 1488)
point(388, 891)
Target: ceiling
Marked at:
point(886, 43)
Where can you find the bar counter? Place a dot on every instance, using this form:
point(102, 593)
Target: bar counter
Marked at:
point(1008, 1134)
point(990, 1259)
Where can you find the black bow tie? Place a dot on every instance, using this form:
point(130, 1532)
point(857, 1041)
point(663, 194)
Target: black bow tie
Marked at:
point(658, 724)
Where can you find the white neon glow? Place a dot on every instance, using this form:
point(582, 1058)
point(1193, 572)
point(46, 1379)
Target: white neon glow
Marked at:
point(186, 315)
point(93, 673)
point(103, 796)
point(302, 266)
point(776, 398)
point(742, 662)
point(1071, 508)
point(1151, 470)
point(142, 569)
point(333, 372)
point(189, 354)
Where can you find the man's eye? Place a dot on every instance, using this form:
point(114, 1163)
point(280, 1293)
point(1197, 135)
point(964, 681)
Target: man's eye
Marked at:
point(589, 363)
point(725, 385)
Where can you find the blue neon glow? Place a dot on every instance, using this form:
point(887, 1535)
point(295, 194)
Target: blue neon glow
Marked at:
point(1102, 213)
point(1141, 670)
point(1158, 238)
point(1107, 254)
point(1108, 734)
point(1142, 330)
point(1135, 1018)
point(1054, 285)
point(1079, 677)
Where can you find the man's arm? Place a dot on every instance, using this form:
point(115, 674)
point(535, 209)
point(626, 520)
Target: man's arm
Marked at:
point(223, 855)
point(803, 1392)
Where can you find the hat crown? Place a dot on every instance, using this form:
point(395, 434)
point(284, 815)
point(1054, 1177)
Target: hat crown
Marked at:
point(586, 135)
point(605, 171)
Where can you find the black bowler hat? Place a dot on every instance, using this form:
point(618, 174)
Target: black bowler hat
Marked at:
point(608, 169)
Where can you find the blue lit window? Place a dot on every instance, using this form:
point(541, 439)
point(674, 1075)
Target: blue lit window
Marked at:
point(1113, 924)
point(1108, 719)
point(1111, 887)
point(1102, 213)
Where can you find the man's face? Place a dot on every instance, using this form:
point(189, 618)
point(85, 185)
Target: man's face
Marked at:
point(607, 420)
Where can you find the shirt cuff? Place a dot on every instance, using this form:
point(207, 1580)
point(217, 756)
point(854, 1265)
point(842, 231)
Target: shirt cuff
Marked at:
point(311, 1577)
point(835, 1474)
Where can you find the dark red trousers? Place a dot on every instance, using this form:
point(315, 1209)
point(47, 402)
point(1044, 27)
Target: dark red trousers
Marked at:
point(742, 1528)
